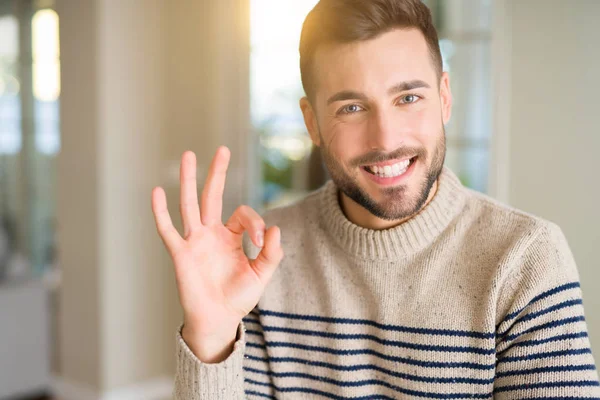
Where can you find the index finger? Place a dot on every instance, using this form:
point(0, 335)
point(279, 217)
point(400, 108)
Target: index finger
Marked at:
point(212, 194)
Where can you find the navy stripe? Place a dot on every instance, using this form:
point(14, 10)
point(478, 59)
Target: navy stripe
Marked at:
point(546, 385)
point(372, 396)
point(361, 367)
point(317, 392)
point(250, 321)
point(253, 393)
point(541, 370)
point(541, 296)
point(528, 343)
point(547, 310)
point(392, 343)
point(335, 382)
point(352, 352)
point(394, 328)
point(547, 354)
point(551, 324)
point(256, 345)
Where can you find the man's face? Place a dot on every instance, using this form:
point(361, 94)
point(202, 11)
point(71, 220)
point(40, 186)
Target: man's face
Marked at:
point(378, 115)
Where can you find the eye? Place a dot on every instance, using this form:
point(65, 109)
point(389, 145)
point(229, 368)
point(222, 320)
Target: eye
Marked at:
point(410, 98)
point(350, 109)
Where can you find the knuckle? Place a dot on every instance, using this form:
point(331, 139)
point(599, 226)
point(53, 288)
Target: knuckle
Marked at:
point(161, 229)
point(193, 230)
point(262, 256)
point(244, 209)
point(258, 224)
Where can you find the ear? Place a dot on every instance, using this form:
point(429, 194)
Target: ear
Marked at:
point(445, 97)
point(310, 120)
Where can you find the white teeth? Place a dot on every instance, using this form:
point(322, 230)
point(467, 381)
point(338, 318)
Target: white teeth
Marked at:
point(390, 171)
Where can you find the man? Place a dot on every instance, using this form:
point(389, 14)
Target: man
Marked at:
point(396, 281)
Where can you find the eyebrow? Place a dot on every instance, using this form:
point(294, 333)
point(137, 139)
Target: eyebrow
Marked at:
point(398, 88)
point(409, 85)
point(346, 95)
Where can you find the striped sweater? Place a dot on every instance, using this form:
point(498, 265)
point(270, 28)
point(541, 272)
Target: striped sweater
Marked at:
point(468, 299)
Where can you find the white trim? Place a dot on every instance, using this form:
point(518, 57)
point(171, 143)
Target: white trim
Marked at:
point(499, 172)
point(67, 390)
point(156, 389)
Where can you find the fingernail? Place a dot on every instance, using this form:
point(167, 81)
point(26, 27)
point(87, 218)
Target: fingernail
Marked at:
point(260, 238)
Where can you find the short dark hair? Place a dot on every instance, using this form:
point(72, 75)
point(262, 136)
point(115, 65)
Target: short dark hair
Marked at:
point(346, 21)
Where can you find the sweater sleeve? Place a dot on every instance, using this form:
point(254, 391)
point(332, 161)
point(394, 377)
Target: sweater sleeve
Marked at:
point(542, 345)
point(195, 380)
point(246, 372)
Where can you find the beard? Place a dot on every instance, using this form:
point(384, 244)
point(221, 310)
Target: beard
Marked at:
point(399, 202)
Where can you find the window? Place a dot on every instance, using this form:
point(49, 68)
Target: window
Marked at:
point(464, 28)
point(46, 81)
point(29, 134)
point(275, 91)
point(10, 105)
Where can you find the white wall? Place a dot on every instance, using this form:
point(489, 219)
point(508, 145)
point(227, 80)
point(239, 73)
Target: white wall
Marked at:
point(547, 116)
point(78, 197)
point(143, 81)
point(112, 317)
point(131, 70)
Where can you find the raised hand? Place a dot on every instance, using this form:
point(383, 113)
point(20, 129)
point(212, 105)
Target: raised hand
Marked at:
point(218, 285)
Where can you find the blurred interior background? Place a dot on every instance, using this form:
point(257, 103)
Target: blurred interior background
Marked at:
point(99, 99)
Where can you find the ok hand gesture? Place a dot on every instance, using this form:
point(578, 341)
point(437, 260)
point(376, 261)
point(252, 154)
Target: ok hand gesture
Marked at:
point(218, 285)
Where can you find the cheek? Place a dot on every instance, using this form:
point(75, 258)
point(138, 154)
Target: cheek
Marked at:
point(427, 124)
point(344, 138)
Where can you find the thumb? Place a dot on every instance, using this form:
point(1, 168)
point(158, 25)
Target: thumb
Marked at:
point(270, 256)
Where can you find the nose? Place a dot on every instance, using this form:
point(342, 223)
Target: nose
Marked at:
point(385, 130)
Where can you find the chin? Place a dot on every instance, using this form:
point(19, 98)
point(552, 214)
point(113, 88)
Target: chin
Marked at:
point(392, 202)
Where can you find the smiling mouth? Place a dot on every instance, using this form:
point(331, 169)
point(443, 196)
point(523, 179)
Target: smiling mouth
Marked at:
point(387, 170)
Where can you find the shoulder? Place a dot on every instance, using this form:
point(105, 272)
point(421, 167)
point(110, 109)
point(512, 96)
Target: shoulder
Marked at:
point(504, 225)
point(528, 247)
point(530, 254)
point(501, 216)
point(514, 241)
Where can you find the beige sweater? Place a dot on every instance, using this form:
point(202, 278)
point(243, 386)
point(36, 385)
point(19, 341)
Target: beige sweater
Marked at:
point(469, 299)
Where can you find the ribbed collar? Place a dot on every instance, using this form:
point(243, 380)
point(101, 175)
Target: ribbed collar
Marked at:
point(402, 240)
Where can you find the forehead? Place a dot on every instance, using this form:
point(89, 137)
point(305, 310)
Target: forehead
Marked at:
point(373, 66)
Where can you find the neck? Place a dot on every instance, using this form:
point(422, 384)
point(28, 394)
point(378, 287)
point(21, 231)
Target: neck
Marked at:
point(447, 200)
point(360, 216)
